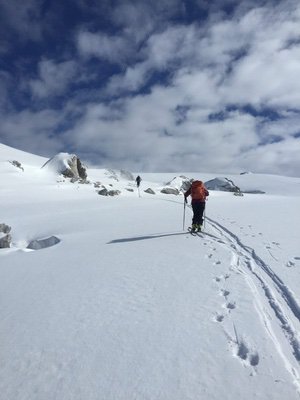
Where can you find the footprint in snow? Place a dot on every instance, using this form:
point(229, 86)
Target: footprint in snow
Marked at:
point(225, 292)
point(290, 264)
point(219, 318)
point(231, 305)
point(221, 277)
point(245, 354)
point(217, 262)
point(296, 258)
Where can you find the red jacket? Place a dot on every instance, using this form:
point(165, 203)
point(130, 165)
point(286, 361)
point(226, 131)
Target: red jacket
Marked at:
point(198, 192)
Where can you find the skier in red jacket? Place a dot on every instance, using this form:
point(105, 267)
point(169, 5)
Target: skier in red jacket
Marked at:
point(198, 192)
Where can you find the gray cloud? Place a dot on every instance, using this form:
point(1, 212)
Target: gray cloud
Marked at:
point(23, 18)
point(32, 131)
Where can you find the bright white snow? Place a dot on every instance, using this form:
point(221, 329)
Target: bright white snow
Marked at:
point(129, 306)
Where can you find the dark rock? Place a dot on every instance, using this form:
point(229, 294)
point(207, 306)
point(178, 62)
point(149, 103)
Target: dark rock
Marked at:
point(254, 191)
point(103, 192)
point(149, 190)
point(43, 243)
point(5, 228)
point(222, 184)
point(113, 192)
point(17, 164)
point(5, 242)
point(170, 191)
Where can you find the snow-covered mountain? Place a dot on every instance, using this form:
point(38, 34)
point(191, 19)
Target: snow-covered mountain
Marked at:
point(106, 298)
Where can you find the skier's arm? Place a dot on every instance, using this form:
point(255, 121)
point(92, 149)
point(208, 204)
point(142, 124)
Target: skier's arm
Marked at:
point(187, 194)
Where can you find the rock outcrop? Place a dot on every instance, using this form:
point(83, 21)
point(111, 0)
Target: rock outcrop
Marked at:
point(17, 164)
point(43, 243)
point(181, 183)
point(222, 184)
point(149, 190)
point(105, 192)
point(68, 165)
point(5, 237)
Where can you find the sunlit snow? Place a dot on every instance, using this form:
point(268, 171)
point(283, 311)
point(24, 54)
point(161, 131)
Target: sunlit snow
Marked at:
point(119, 302)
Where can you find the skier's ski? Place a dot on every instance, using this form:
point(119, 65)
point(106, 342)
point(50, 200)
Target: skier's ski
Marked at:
point(194, 233)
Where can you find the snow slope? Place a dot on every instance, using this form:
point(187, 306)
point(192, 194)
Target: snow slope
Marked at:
point(129, 306)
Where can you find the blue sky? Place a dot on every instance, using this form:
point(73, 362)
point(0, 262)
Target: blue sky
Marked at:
point(166, 85)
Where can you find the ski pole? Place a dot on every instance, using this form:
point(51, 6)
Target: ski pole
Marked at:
point(184, 204)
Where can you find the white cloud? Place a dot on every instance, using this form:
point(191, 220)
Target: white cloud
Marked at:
point(115, 49)
point(53, 79)
point(276, 158)
point(198, 120)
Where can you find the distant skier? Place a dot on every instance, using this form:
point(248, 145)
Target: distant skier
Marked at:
point(138, 181)
point(198, 192)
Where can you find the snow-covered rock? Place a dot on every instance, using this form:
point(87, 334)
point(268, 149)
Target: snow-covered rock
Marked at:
point(112, 192)
point(181, 183)
point(68, 165)
point(5, 241)
point(5, 228)
point(222, 184)
point(5, 237)
point(149, 190)
point(43, 243)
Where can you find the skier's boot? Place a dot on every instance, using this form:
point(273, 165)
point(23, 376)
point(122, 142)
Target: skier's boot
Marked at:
point(199, 228)
point(194, 228)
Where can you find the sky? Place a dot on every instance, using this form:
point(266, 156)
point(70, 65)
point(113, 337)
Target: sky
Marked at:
point(158, 86)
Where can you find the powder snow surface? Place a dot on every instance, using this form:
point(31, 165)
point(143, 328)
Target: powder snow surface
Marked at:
point(128, 306)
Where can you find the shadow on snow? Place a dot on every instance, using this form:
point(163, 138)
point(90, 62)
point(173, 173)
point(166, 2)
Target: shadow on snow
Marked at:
point(134, 239)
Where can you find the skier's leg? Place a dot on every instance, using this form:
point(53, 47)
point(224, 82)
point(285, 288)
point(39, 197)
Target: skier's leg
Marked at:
point(201, 212)
point(194, 219)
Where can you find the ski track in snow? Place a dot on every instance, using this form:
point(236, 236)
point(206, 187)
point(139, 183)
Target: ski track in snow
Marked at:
point(267, 288)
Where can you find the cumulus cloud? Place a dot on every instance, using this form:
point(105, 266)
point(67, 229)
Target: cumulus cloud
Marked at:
point(114, 49)
point(53, 78)
point(164, 91)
